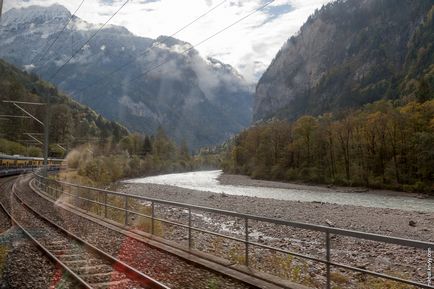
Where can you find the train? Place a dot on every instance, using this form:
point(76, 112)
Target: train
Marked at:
point(16, 164)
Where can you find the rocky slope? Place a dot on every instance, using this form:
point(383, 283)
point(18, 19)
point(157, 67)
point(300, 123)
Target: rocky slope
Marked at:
point(350, 53)
point(202, 101)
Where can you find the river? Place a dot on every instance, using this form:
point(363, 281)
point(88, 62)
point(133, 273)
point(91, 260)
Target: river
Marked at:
point(208, 181)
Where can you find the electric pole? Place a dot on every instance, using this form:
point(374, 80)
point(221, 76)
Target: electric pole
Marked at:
point(45, 125)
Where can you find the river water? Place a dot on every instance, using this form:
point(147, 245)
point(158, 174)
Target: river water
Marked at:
point(208, 181)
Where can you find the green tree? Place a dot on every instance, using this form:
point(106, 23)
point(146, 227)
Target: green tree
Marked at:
point(147, 146)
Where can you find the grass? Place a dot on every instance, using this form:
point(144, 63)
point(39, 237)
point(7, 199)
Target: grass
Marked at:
point(340, 280)
point(213, 284)
point(377, 283)
point(116, 205)
point(3, 257)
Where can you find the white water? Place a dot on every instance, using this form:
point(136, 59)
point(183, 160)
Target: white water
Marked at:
point(207, 181)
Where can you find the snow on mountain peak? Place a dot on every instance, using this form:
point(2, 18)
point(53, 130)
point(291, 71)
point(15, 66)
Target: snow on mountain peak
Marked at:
point(36, 14)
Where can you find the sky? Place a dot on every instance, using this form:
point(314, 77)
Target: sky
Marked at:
point(249, 46)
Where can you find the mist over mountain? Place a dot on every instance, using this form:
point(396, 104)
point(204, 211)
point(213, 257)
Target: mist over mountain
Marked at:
point(201, 101)
point(350, 53)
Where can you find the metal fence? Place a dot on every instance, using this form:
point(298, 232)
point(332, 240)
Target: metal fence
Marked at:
point(81, 194)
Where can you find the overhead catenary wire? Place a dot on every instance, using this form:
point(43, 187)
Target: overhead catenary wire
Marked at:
point(87, 41)
point(152, 46)
point(44, 51)
point(191, 47)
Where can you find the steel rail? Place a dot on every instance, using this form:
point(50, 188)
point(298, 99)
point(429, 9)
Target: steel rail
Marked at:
point(118, 265)
point(45, 251)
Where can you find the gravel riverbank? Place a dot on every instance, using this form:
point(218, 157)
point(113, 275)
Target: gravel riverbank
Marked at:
point(391, 222)
point(240, 180)
point(390, 259)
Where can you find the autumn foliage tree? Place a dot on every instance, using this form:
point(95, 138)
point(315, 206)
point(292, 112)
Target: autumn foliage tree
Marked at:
point(382, 145)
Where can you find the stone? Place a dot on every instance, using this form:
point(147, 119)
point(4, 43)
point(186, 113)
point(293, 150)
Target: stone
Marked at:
point(362, 265)
point(330, 223)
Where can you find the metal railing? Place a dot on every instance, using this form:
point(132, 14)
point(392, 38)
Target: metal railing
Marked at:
point(55, 188)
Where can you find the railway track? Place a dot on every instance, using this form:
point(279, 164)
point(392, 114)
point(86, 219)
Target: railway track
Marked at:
point(5, 221)
point(86, 265)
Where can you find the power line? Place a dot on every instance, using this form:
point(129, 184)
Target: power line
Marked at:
point(193, 46)
point(90, 38)
point(57, 37)
point(152, 46)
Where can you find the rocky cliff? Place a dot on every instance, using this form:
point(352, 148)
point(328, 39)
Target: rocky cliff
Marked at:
point(350, 53)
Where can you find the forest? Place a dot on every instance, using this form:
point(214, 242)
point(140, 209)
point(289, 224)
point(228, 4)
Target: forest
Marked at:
point(382, 145)
point(70, 123)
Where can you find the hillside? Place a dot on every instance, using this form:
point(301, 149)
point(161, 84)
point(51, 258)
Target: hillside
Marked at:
point(201, 101)
point(348, 101)
point(350, 53)
point(71, 123)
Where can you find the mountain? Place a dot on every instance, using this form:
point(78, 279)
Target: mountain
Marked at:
point(350, 53)
point(70, 123)
point(200, 101)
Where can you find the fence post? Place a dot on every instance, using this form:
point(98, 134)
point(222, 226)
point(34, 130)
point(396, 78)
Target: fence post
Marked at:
point(98, 203)
point(328, 258)
point(88, 203)
point(105, 205)
point(189, 229)
point(76, 197)
point(246, 225)
point(152, 217)
point(126, 210)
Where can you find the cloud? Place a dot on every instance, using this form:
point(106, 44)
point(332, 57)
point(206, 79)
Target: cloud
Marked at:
point(249, 46)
